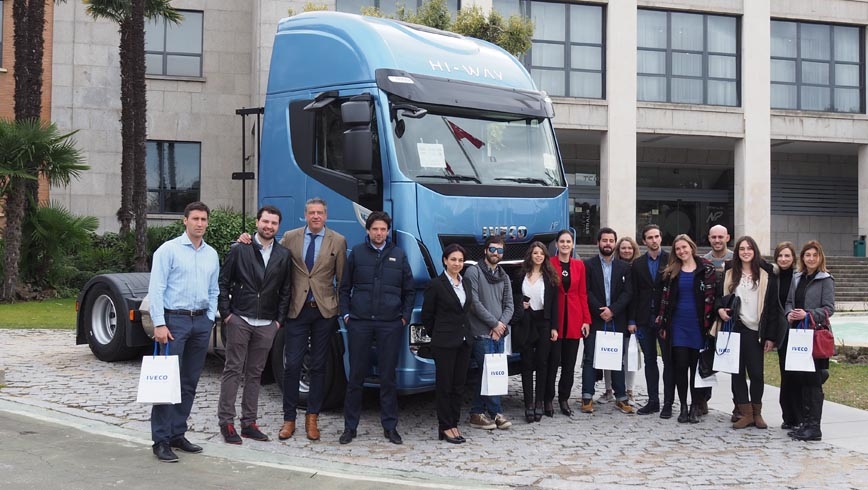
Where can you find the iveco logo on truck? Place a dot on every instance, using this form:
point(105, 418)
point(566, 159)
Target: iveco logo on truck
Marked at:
point(508, 232)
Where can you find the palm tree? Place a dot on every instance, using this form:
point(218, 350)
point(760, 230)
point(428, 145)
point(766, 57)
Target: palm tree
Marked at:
point(130, 16)
point(35, 148)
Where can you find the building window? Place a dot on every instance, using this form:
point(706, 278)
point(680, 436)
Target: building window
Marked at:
point(174, 49)
point(173, 175)
point(567, 54)
point(688, 58)
point(387, 7)
point(817, 67)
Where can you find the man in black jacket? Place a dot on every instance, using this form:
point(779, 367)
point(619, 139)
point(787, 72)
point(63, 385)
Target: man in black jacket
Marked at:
point(646, 272)
point(255, 283)
point(376, 300)
point(609, 291)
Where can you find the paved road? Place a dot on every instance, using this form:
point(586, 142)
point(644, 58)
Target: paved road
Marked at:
point(46, 371)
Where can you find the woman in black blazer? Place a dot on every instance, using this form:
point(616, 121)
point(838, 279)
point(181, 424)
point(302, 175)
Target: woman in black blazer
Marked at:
point(537, 284)
point(444, 314)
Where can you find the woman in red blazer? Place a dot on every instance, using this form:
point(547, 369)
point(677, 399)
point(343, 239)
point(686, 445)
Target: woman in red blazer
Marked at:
point(573, 314)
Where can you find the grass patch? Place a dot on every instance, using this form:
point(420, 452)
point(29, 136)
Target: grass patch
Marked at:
point(49, 313)
point(846, 384)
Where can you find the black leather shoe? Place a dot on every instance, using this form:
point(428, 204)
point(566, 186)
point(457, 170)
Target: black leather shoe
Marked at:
point(666, 412)
point(649, 408)
point(393, 436)
point(184, 445)
point(684, 416)
point(565, 408)
point(528, 415)
point(348, 436)
point(549, 410)
point(451, 440)
point(164, 453)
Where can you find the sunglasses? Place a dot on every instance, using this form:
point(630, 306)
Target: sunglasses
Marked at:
point(495, 250)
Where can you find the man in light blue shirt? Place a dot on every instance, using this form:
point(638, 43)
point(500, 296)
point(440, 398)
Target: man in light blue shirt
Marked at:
point(183, 301)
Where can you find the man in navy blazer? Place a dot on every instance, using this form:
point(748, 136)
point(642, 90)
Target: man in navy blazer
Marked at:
point(647, 271)
point(609, 291)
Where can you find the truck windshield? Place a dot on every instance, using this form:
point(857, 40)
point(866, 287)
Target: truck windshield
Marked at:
point(463, 147)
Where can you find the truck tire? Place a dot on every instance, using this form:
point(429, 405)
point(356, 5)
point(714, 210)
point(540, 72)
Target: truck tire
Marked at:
point(106, 324)
point(335, 380)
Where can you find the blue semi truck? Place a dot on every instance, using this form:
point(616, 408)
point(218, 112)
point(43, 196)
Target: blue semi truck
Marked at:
point(447, 134)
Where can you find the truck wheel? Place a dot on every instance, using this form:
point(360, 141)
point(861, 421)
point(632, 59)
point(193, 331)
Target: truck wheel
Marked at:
point(335, 380)
point(106, 325)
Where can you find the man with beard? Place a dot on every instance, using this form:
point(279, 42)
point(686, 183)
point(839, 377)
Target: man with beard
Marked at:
point(491, 310)
point(718, 237)
point(255, 285)
point(610, 289)
point(377, 294)
point(646, 273)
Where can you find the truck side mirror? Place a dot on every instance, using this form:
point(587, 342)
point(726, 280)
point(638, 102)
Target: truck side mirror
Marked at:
point(358, 139)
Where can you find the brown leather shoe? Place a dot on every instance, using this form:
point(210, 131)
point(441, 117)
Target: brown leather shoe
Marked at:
point(310, 426)
point(287, 430)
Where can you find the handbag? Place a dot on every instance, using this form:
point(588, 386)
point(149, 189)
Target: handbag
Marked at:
point(634, 355)
point(609, 349)
point(709, 381)
point(824, 340)
point(727, 349)
point(705, 366)
point(495, 375)
point(160, 379)
point(730, 302)
point(800, 348)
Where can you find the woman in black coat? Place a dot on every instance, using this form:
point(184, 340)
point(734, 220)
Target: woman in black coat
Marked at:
point(537, 332)
point(444, 314)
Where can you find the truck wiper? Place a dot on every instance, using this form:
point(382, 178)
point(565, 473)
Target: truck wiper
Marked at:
point(452, 177)
point(524, 180)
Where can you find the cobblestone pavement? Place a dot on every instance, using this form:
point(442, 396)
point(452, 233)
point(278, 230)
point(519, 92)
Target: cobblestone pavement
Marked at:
point(607, 448)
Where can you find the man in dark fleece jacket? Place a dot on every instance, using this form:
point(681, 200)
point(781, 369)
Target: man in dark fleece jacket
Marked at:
point(376, 299)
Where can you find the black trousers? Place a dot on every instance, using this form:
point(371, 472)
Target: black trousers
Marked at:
point(450, 366)
point(791, 393)
point(536, 358)
point(569, 351)
point(750, 364)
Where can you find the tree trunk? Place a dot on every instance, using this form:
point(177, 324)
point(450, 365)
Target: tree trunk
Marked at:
point(125, 213)
point(138, 115)
point(15, 199)
point(28, 20)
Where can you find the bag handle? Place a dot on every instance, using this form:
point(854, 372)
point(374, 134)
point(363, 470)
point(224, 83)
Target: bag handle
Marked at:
point(605, 325)
point(157, 348)
point(727, 327)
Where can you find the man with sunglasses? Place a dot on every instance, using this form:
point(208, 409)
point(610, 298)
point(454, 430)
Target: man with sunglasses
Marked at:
point(490, 312)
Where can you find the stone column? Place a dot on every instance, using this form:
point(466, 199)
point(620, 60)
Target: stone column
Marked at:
point(862, 220)
point(752, 193)
point(618, 145)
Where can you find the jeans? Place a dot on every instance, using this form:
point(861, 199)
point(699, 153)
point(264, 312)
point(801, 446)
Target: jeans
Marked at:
point(648, 343)
point(484, 404)
point(191, 335)
point(247, 349)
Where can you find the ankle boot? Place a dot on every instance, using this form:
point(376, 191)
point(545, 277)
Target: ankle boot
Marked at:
point(695, 414)
point(810, 430)
point(735, 413)
point(758, 420)
point(684, 416)
point(747, 416)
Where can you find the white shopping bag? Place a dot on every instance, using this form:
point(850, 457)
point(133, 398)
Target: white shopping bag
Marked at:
point(507, 341)
point(727, 350)
point(495, 375)
point(160, 380)
point(700, 382)
point(609, 350)
point(634, 355)
point(800, 350)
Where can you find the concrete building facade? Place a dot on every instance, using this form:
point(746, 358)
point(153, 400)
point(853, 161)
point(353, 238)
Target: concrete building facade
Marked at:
point(685, 113)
